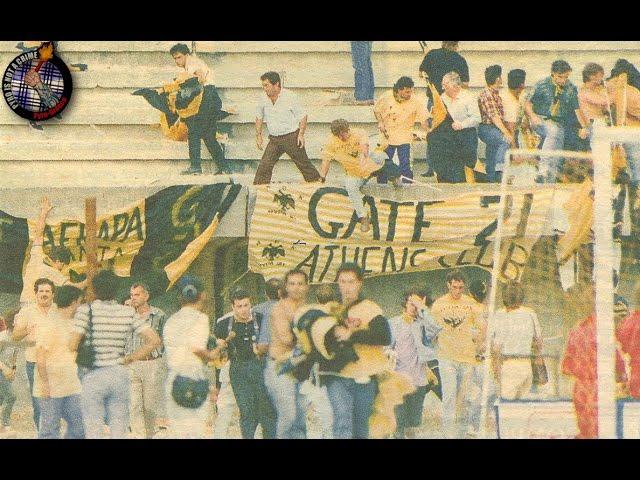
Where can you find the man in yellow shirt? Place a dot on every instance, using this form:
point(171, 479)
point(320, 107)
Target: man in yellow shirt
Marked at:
point(457, 314)
point(350, 147)
point(397, 111)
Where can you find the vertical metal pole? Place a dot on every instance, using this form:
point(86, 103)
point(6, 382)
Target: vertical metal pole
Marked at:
point(495, 275)
point(603, 260)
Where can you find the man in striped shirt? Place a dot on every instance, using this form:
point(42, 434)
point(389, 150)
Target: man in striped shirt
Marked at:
point(105, 386)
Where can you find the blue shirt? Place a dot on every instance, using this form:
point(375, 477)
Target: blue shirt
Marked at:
point(544, 95)
point(429, 333)
point(265, 309)
point(425, 329)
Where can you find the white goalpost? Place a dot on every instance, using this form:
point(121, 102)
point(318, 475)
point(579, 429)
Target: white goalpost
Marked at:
point(603, 258)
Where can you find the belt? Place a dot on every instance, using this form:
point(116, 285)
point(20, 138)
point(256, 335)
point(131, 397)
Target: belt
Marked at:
point(284, 135)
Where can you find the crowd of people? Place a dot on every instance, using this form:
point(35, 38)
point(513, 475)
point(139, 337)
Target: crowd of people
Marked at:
point(129, 368)
point(555, 114)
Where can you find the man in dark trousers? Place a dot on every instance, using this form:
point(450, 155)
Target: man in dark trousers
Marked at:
point(286, 121)
point(246, 366)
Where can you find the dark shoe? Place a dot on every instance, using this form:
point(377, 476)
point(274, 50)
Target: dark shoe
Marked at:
point(428, 173)
point(192, 171)
point(484, 203)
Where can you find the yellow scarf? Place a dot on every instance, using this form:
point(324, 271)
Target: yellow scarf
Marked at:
point(556, 100)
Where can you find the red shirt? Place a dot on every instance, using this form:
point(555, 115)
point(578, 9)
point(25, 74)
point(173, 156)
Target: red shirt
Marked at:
point(629, 337)
point(490, 104)
point(580, 358)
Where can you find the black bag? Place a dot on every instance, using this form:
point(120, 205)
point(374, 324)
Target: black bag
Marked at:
point(188, 392)
point(86, 352)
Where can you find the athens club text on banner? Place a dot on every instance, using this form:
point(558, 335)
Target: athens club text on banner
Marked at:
point(316, 229)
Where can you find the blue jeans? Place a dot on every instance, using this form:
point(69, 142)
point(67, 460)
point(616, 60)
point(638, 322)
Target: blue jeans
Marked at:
point(290, 404)
point(352, 405)
point(254, 403)
point(497, 146)
point(551, 138)
point(105, 397)
point(54, 409)
point(363, 75)
point(404, 157)
point(457, 378)
point(31, 368)
point(633, 160)
point(7, 400)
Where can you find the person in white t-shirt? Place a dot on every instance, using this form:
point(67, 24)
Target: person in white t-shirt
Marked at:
point(201, 119)
point(185, 337)
point(516, 329)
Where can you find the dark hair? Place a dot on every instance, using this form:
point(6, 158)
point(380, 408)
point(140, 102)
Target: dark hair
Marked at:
point(420, 292)
point(60, 254)
point(591, 69)
point(190, 288)
point(560, 66)
point(351, 267)
point(43, 281)
point(273, 77)
point(326, 293)
point(478, 290)
point(492, 73)
point(291, 273)
point(105, 285)
point(624, 66)
point(513, 295)
point(238, 294)
point(339, 126)
point(516, 78)
point(273, 288)
point(66, 295)
point(9, 318)
point(455, 275)
point(403, 82)
point(449, 44)
point(179, 48)
point(143, 286)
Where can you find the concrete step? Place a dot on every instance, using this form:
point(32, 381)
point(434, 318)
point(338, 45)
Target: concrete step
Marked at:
point(317, 70)
point(120, 107)
point(318, 46)
point(123, 142)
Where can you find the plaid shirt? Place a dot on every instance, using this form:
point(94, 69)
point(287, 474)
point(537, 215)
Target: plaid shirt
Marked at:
point(490, 104)
point(156, 319)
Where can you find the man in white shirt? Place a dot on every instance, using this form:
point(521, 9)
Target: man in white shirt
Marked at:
point(461, 146)
point(27, 322)
point(280, 109)
point(201, 124)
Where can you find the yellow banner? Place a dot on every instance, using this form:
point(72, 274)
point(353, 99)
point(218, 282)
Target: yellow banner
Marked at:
point(120, 236)
point(316, 229)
